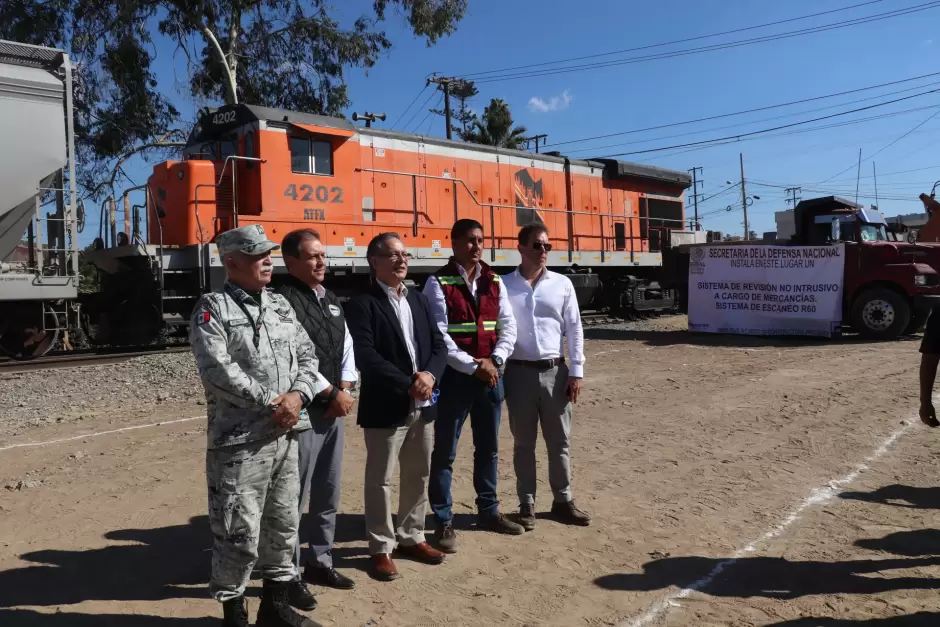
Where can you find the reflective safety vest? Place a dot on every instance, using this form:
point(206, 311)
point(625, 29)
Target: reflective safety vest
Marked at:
point(471, 323)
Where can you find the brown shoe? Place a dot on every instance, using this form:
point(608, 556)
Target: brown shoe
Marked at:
point(424, 553)
point(569, 514)
point(383, 568)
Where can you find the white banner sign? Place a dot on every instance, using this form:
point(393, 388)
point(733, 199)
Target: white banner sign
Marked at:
point(766, 290)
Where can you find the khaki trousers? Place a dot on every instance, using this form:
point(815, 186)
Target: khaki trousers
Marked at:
point(408, 444)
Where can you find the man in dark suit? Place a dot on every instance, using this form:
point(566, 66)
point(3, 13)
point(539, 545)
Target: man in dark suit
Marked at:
point(401, 355)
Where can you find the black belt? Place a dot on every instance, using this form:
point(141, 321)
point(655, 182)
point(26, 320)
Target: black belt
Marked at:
point(541, 364)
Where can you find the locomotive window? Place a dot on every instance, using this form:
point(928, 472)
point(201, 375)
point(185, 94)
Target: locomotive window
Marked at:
point(311, 156)
point(227, 148)
point(250, 145)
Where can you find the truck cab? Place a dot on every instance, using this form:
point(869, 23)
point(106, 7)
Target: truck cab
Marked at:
point(889, 286)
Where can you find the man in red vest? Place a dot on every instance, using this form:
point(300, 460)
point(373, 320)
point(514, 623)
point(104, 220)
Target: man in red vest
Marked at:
point(471, 307)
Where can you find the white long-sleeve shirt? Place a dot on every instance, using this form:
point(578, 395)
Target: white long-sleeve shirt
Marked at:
point(546, 313)
point(348, 365)
point(458, 359)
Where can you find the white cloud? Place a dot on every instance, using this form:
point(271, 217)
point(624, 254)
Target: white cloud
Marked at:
point(927, 43)
point(555, 103)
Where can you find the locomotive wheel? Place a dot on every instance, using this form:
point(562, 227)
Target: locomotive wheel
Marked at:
point(22, 335)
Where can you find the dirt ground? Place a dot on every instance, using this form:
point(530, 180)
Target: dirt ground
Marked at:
point(733, 481)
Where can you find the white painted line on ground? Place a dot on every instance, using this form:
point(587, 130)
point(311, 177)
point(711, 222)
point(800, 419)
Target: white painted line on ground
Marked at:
point(818, 496)
point(94, 435)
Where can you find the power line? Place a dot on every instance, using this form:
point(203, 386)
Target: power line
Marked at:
point(775, 128)
point(403, 113)
point(418, 110)
point(669, 43)
point(932, 116)
point(755, 110)
point(770, 119)
point(419, 124)
point(714, 47)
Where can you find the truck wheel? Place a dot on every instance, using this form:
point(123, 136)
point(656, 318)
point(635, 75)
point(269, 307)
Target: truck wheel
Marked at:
point(918, 321)
point(880, 314)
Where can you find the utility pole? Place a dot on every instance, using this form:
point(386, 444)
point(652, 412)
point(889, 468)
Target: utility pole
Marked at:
point(747, 232)
point(858, 174)
point(695, 195)
point(444, 84)
point(536, 138)
point(875, 176)
point(793, 191)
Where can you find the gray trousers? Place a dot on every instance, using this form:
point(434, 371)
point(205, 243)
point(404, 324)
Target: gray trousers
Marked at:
point(409, 444)
point(536, 397)
point(253, 492)
point(320, 458)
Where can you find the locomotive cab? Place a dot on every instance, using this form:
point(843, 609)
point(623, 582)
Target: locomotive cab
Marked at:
point(244, 165)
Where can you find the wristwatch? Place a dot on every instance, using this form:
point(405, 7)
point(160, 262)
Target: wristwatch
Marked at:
point(497, 361)
point(333, 394)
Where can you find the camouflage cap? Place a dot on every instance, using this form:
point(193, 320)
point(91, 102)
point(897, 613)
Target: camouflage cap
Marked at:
point(250, 240)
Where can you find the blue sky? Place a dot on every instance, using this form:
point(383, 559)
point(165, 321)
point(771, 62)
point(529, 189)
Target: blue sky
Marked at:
point(575, 105)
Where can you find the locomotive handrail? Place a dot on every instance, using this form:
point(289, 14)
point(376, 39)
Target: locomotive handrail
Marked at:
point(156, 213)
point(500, 206)
point(202, 235)
point(414, 176)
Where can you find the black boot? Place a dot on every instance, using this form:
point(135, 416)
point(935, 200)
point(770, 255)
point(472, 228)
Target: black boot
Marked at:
point(234, 613)
point(275, 609)
point(299, 596)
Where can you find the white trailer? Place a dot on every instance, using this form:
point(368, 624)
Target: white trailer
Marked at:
point(39, 266)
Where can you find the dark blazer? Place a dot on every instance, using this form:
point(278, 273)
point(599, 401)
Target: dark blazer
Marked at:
point(382, 356)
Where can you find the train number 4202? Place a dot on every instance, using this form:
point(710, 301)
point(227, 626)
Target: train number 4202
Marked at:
point(308, 193)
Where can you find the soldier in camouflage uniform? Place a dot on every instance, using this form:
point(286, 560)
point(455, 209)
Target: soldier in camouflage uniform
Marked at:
point(259, 368)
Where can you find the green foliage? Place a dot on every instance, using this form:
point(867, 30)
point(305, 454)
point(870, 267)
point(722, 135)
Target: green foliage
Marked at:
point(279, 53)
point(88, 282)
point(496, 128)
point(461, 116)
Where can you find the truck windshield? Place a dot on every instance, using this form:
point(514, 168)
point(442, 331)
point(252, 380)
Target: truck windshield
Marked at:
point(873, 232)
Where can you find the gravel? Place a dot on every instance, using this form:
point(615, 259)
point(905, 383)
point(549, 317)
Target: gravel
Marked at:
point(159, 384)
point(149, 384)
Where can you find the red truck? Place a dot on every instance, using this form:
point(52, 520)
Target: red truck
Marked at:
point(889, 286)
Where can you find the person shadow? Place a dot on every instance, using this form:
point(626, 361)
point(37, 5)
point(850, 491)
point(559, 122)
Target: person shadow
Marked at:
point(772, 577)
point(139, 565)
point(914, 543)
point(32, 618)
point(899, 496)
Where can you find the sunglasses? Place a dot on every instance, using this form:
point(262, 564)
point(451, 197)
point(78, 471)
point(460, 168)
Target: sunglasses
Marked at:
point(542, 246)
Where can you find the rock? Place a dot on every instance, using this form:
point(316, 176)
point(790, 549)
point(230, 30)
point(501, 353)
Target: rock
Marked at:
point(77, 455)
point(27, 484)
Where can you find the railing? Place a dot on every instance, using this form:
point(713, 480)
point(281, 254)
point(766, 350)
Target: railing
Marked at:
point(63, 242)
point(573, 244)
point(202, 235)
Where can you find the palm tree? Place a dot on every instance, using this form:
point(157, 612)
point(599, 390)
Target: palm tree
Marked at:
point(496, 128)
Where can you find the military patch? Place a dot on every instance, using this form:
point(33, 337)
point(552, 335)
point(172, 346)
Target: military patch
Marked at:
point(334, 310)
point(203, 317)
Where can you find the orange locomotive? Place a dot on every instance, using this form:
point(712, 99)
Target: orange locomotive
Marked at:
point(609, 220)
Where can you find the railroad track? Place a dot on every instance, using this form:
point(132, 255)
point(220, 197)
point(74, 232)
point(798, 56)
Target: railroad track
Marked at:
point(77, 359)
point(593, 319)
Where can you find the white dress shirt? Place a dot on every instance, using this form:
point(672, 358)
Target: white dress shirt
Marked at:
point(348, 365)
point(458, 359)
point(399, 301)
point(545, 314)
